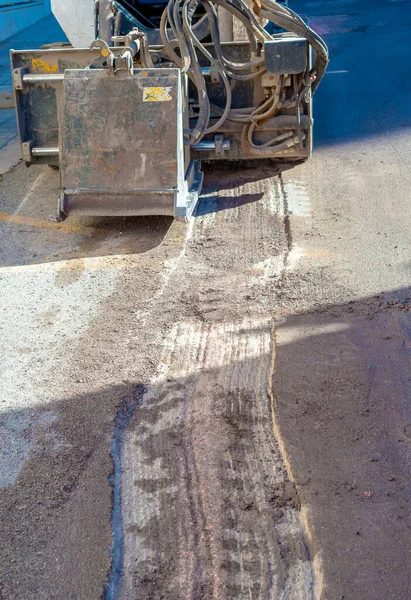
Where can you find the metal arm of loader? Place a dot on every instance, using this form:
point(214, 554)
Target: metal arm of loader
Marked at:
point(129, 124)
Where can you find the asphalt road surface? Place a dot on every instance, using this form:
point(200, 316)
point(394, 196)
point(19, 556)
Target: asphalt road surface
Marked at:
point(221, 410)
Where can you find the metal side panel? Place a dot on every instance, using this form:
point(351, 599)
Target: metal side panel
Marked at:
point(121, 143)
point(38, 80)
point(38, 77)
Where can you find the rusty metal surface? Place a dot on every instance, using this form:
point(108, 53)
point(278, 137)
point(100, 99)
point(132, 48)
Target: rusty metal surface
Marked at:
point(108, 204)
point(38, 104)
point(121, 137)
point(249, 93)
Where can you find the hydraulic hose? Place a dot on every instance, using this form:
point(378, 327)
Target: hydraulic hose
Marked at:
point(184, 46)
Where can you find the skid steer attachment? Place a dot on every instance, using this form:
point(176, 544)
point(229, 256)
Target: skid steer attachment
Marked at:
point(121, 145)
point(129, 119)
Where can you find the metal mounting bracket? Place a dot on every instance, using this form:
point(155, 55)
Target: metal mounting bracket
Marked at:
point(18, 83)
point(26, 151)
point(218, 140)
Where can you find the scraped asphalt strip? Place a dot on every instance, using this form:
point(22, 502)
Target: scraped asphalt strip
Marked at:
point(202, 499)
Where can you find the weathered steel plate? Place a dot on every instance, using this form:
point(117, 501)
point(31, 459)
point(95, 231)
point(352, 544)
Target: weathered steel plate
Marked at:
point(37, 104)
point(121, 142)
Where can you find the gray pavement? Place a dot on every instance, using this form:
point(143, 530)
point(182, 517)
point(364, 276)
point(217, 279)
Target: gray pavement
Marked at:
point(343, 369)
point(221, 410)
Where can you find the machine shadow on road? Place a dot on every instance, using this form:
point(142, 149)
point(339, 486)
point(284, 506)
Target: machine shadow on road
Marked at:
point(202, 471)
point(31, 235)
point(28, 204)
point(221, 176)
point(343, 404)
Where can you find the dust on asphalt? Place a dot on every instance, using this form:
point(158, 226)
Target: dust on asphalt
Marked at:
point(179, 304)
point(209, 510)
point(202, 476)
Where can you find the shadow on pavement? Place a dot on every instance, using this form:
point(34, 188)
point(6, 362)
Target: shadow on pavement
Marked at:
point(342, 403)
point(221, 176)
point(28, 200)
point(28, 206)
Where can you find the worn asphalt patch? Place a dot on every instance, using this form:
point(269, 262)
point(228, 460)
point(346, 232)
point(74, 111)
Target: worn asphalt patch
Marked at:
point(169, 500)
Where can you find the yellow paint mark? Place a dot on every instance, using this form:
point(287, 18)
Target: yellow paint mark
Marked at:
point(42, 66)
point(156, 94)
point(105, 52)
point(94, 263)
point(43, 224)
point(313, 253)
